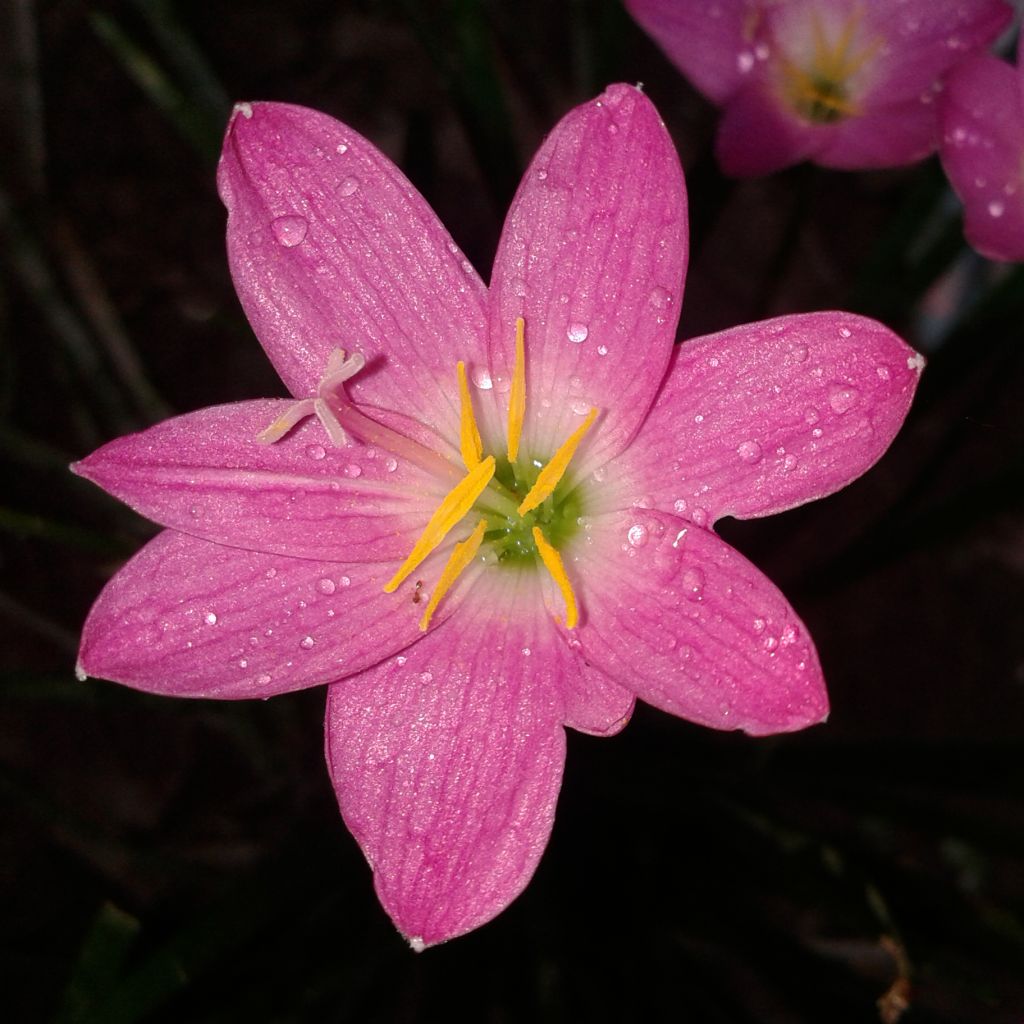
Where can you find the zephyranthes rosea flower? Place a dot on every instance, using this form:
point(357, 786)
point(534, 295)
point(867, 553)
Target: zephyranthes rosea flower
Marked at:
point(981, 112)
point(486, 514)
point(844, 83)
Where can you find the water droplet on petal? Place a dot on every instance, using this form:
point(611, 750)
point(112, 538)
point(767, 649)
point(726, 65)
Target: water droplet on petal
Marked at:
point(845, 332)
point(789, 463)
point(326, 586)
point(581, 407)
point(542, 175)
point(290, 230)
point(577, 333)
point(243, 663)
point(481, 378)
point(426, 677)
point(699, 517)
point(341, 149)
point(316, 451)
point(660, 297)
point(263, 679)
point(749, 451)
point(693, 584)
point(842, 398)
point(680, 505)
point(349, 187)
point(759, 625)
point(810, 415)
point(745, 62)
point(799, 353)
point(344, 581)
point(210, 618)
point(996, 208)
point(600, 473)
point(391, 465)
point(637, 535)
point(527, 652)
point(353, 470)
point(602, 350)
point(883, 372)
point(306, 643)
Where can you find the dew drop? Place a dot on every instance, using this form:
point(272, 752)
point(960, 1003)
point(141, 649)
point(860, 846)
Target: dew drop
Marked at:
point(577, 333)
point(600, 473)
point(271, 573)
point(542, 175)
point(699, 517)
point(344, 581)
point(693, 584)
point(637, 535)
point(352, 470)
point(680, 505)
point(789, 463)
point(845, 332)
point(341, 149)
point(996, 208)
point(306, 643)
point(263, 679)
point(749, 452)
point(602, 350)
point(290, 230)
point(391, 465)
point(426, 677)
point(243, 663)
point(481, 378)
point(788, 636)
point(810, 415)
point(883, 372)
point(401, 660)
point(745, 62)
point(349, 187)
point(581, 407)
point(817, 432)
point(660, 297)
point(326, 586)
point(575, 383)
point(799, 353)
point(316, 451)
point(527, 652)
point(210, 618)
point(842, 398)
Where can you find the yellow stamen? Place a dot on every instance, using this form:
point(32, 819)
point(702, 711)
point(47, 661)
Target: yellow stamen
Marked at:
point(457, 502)
point(462, 554)
point(469, 436)
point(553, 563)
point(548, 478)
point(517, 395)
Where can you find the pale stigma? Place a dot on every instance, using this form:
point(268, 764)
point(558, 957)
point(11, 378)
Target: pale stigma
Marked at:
point(517, 395)
point(547, 479)
point(469, 436)
point(553, 563)
point(462, 554)
point(339, 368)
point(457, 502)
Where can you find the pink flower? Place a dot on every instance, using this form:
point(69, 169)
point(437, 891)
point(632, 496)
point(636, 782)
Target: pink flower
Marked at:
point(844, 83)
point(492, 519)
point(981, 112)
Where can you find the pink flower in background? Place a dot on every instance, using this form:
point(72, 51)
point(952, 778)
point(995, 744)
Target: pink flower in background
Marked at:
point(486, 513)
point(844, 83)
point(981, 113)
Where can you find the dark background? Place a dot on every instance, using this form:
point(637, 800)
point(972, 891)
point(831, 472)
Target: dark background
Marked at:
point(184, 861)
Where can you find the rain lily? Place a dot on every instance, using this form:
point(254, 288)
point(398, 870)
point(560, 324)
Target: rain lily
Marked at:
point(981, 113)
point(844, 83)
point(486, 513)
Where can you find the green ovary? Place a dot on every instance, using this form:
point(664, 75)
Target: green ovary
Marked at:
point(509, 537)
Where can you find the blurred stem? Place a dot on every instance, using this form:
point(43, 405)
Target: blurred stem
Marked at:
point(457, 40)
point(158, 87)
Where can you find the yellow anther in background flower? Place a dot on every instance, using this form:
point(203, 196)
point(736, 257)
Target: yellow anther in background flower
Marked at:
point(462, 554)
point(547, 479)
point(469, 435)
point(517, 395)
point(553, 563)
point(457, 502)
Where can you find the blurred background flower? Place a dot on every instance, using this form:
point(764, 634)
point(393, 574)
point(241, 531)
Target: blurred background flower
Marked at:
point(171, 861)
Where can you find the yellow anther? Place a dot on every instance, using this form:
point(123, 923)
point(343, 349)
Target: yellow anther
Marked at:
point(457, 502)
point(469, 436)
point(517, 395)
point(462, 554)
point(547, 479)
point(553, 563)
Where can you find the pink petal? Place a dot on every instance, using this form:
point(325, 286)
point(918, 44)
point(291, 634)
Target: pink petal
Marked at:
point(886, 136)
point(675, 614)
point(331, 247)
point(593, 703)
point(593, 255)
point(187, 618)
point(761, 418)
point(205, 474)
point(704, 40)
point(922, 39)
point(759, 135)
point(447, 763)
point(982, 150)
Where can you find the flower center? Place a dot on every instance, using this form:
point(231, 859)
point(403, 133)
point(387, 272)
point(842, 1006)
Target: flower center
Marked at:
point(523, 508)
point(819, 88)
